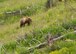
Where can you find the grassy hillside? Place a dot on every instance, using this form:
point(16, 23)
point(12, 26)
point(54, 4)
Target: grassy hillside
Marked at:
point(57, 20)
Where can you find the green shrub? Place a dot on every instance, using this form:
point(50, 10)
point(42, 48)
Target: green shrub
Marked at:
point(62, 51)
point(70, 24)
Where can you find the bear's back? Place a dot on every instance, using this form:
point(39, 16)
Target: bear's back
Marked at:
point(23, 19)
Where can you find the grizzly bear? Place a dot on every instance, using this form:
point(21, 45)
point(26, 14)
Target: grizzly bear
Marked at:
point(25, 20)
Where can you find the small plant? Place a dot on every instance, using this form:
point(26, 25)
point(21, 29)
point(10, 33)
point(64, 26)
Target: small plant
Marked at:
point(70, 24)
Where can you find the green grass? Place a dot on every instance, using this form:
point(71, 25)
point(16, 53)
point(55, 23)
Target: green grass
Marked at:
point(2, 0)
point(16, 5)
point(56, 20)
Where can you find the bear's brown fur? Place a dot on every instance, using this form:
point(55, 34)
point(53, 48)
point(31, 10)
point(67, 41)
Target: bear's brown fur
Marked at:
point(25, 20)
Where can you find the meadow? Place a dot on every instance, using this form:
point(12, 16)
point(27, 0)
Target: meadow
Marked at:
point(56, 20)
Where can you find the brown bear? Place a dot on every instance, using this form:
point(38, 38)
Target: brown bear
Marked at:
point(25, 20)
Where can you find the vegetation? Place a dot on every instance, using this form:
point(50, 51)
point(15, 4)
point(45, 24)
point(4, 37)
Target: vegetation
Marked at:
point(56, 20)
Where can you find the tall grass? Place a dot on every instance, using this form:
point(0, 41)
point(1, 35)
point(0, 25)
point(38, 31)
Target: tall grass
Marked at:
point(28, 8)
point(17, 40)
